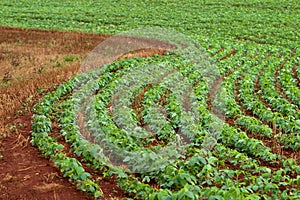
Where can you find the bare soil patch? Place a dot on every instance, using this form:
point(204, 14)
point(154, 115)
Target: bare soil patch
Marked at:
point(27, 175)
point(32, 63)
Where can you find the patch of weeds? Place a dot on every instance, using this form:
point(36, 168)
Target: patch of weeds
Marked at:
point(71, 58)
point(20, 125)
point(2, 135)
point(56, 64)
point(19, 112)
point(15, 62)
point(18, 78)
point(5, 84)
point(13, 129)
point(16, 127)
point(7, 77)
point(39, 69)
point(27, 103)
point(39, 91)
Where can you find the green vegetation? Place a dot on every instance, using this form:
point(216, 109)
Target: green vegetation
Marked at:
point(268, 22)
point(223, 172)
point(255, 46)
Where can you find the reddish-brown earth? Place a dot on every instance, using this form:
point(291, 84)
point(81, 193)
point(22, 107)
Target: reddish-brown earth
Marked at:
point(35, 59)
point(24, 174)
point(33, 62)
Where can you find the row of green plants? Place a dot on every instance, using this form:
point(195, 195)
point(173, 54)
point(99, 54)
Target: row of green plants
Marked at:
point(207, 21)
point(288, 82)
point(233, 108)
point(204, 170)
point(247, 88)
point(269, 92)
point(298, 71)
point(238, 66)
point(110, 123)
point(50, 148)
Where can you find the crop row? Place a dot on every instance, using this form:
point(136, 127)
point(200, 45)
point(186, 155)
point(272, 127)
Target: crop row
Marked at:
point(114, 140)
point(216, 21)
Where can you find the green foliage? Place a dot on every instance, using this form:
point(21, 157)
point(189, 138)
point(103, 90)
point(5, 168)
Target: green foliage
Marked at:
point(190, 178)
point(254, 47)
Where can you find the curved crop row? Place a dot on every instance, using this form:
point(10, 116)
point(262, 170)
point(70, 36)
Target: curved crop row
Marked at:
point(117, 112)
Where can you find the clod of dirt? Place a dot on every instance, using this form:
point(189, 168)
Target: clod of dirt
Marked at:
point(7, 178)
point(2, 188)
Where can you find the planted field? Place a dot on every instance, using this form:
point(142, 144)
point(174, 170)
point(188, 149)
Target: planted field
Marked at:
point(206, 107)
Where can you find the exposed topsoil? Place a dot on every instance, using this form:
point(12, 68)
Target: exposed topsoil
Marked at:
point(31, 63)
